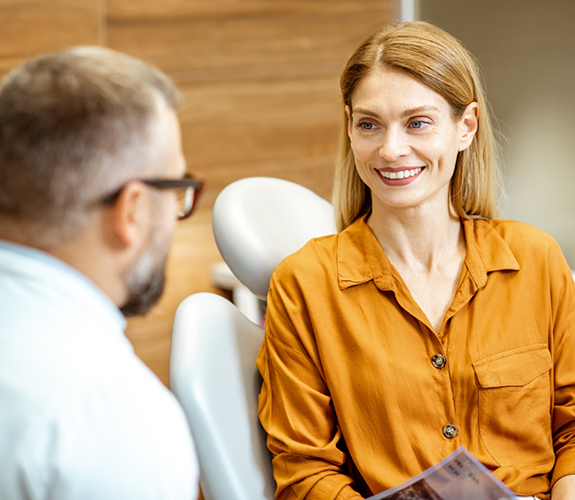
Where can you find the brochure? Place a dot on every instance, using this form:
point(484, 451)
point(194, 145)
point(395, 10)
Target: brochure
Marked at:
point(458, 476)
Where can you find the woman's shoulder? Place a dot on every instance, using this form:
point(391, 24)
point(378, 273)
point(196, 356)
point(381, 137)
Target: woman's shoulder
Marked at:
point(320, 255)
point(512, 229)
point(316, 254)
point(521, 237)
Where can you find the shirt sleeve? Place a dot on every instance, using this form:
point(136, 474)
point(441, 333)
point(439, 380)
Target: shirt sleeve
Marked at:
point(295, 406)
point(563, 342)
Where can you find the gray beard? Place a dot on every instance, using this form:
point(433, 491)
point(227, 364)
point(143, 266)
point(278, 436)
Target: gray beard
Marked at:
point(146, 278)
point(145, 286)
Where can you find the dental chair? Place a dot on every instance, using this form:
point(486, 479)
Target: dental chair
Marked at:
point(257, 222)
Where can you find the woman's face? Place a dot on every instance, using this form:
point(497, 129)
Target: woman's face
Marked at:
point(405, 139)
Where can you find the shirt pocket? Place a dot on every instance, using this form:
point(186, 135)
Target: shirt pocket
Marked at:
point(514, 406)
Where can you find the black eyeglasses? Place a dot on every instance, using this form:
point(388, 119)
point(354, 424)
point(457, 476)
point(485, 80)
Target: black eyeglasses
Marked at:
point(187, 191)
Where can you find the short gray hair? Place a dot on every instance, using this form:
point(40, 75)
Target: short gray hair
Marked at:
point(74, 126)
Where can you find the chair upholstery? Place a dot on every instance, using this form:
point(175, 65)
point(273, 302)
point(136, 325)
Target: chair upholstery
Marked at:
point(213, 374)
point(258, 221)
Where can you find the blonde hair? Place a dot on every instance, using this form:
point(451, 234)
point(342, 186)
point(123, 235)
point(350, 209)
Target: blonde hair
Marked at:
point(436, 59)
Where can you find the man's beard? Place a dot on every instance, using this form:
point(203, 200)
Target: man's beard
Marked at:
point(145, 280)
point(144, 287)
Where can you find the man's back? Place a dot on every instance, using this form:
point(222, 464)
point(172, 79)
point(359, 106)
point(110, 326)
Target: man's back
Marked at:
point(80, 415)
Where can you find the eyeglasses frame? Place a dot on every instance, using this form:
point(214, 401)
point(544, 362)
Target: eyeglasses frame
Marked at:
point(187, 181)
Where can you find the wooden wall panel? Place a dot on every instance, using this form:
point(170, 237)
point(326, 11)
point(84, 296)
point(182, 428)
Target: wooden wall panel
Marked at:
point(260, 85)
point(261, 127)
point(298, 39)
point(29, 27)
point(174, 9)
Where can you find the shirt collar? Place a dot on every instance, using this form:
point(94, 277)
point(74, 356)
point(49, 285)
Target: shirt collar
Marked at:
point(361, 258)
point(487, 251)
point(33, 265)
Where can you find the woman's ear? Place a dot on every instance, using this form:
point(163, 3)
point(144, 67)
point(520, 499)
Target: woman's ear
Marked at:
point(349, 121)
point(126, 216)
point(468, 123)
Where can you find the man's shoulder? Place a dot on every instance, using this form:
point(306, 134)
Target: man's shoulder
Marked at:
point(77, 402)
point(65, 370)
point(113, 437)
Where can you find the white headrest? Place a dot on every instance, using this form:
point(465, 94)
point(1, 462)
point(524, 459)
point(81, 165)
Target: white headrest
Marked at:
point(258, 221)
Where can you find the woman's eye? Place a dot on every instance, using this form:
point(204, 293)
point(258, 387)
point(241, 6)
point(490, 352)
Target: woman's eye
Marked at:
point(418, 124)
point(366, 125)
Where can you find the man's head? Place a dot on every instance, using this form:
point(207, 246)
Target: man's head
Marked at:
point(75, 127)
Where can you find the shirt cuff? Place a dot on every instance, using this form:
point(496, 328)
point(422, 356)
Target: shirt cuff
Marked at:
point(325, 489)
point(564, 464)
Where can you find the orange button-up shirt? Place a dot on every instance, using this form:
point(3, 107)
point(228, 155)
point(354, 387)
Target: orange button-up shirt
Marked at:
point(356, 394)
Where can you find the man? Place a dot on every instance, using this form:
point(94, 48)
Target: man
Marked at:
point(90, 157)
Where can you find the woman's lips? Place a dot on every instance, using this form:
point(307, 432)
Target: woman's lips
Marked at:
point(400, 177)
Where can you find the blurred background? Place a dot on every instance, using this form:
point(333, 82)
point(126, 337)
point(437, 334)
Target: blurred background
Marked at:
point(260, 85)
point(527, 51)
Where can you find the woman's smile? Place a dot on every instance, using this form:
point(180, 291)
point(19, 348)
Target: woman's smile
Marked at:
point(399, 177)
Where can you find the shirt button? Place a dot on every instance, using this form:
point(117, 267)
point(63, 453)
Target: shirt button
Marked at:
point(438, 361)
point(450, 431)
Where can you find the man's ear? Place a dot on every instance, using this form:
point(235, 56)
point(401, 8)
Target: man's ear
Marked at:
point(126, 216)
point(468, 124)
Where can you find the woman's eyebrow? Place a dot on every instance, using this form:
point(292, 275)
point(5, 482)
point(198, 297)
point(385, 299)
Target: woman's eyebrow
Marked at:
point(407, 112)
point(363, 111)
point(418, 110)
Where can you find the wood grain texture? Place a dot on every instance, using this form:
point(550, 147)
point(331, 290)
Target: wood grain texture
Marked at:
point(260, 85)
point(30, 27)
point(278, 127)
point(169, 9)
point(261, 44)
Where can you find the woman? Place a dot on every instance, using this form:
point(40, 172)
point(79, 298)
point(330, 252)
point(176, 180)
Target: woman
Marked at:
point(424, 324)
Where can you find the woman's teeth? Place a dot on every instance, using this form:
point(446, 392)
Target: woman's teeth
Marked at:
point(402, 174)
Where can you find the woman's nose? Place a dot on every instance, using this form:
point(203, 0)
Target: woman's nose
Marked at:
point(395, 145)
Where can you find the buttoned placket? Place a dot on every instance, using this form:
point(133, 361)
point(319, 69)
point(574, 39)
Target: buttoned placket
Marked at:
point(438, 344)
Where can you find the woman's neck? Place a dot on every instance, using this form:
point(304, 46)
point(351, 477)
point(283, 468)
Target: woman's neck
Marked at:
point(418, 237)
